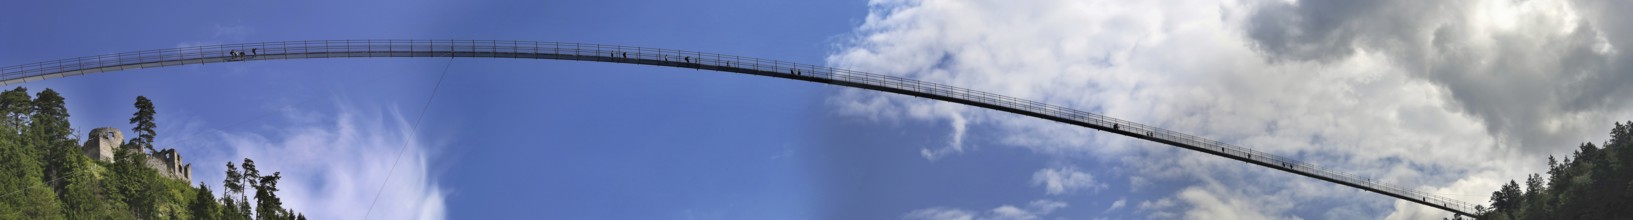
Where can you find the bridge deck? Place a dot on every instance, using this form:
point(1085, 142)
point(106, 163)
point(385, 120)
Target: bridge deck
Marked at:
point(703, 61)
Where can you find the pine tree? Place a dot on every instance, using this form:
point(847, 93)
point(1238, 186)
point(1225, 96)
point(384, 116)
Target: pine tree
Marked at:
point(267, 204)
point(16, 105)
point(204, 206)
point(233, 181)
point(143, 120)
point(1533, 186)
point(50, 119)
point(52, 133)
point(250, 173)
point(131, 183)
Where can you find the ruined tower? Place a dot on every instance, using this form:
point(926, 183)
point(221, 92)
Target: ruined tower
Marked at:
point(101, 143)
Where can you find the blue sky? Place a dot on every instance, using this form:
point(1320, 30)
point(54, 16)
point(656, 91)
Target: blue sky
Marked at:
point(538, 139)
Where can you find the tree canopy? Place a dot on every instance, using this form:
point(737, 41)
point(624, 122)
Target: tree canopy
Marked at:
point(1594, 182)
point(45, 175)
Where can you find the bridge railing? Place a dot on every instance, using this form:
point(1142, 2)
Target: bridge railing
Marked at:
point(681, 58)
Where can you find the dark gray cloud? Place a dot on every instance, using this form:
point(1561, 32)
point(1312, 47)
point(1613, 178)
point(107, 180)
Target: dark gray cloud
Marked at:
point(1415, 93)
point(1542, 73)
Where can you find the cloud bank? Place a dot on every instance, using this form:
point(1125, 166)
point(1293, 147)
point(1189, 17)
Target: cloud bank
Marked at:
point(1447, 97)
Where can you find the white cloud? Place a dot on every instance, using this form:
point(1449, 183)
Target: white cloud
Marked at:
point(1035, 210)
point(1157, 208)
point(1425, 95)
point(1064, 180)
point(940, 213)
point(1117, 205)
point(333, 168)
point(1212, 206)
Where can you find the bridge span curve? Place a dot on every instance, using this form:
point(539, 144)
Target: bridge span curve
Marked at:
point(703, 61)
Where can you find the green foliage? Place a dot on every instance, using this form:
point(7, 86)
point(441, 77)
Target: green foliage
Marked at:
point(204, 205)
point(134, 184)
point(234, 181)
point(50, 119)
point(143, 119)
point(1597, 184)
point(45, 175)
point(16, 105)
point(26, 196)
point(267, 204)
point(24, 191)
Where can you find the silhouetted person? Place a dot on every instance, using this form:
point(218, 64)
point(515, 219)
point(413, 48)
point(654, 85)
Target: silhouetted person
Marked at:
point(253, 51)
point(626, 55)
point(688, 59)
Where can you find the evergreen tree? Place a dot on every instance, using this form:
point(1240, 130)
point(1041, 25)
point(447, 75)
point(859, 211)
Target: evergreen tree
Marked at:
point(229, 209)
point(52, 133)
point(1507, 198)
point(81, 191)
point(204, 206)
point(237, 183)
point(249, 181)
point(1533, 186)
point(143, 120)
point(25, 196)
point(50, 119)
point(1621, 137)
point(244, 211)
point(16, 105)
point(267, 204)
point(132, 181)
point(233, 181)
point(250, 174)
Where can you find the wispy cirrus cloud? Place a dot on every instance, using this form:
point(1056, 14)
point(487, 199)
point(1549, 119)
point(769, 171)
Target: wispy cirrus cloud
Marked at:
point(334, 163)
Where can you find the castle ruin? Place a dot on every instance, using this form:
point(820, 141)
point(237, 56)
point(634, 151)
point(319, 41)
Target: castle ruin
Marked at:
point(101, 143)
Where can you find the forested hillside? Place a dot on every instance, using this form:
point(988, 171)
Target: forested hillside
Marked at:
point(44, 174)
point(1594, 182)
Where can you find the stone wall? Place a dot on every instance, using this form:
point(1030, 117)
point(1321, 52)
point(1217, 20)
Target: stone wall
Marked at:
point(101, 143)
point(169, 164)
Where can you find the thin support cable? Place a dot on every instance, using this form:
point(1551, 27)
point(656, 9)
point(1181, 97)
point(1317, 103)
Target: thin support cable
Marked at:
point(416, 128)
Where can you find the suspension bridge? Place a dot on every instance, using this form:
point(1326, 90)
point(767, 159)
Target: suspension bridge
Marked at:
point(287, 50)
